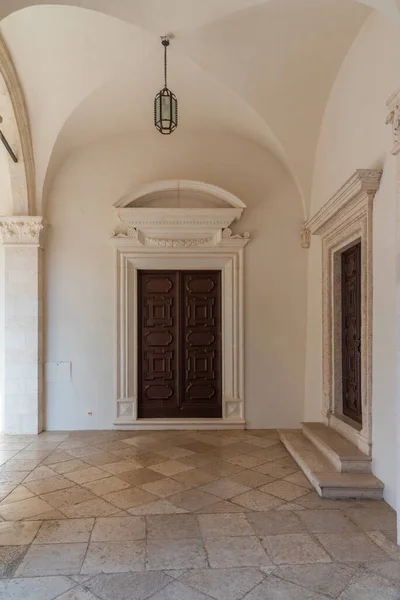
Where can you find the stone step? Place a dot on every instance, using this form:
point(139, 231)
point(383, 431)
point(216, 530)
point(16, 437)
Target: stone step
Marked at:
point(344, 455)
point(326, 480)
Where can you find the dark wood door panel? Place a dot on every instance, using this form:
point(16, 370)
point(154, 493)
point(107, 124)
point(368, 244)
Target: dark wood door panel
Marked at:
point(351, 332)
point(179, 344)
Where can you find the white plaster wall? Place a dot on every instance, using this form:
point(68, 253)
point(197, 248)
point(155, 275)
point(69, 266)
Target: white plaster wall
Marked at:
point(80, 325)
point(354, 136)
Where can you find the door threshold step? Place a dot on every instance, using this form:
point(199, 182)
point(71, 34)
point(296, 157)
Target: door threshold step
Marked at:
point(343, 455)
point(328, 482)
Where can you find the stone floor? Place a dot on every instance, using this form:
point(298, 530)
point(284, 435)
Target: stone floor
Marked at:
point(182, 516)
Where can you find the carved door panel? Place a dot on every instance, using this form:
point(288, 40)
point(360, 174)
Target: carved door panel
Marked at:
point(351, 332)
point(179, 340)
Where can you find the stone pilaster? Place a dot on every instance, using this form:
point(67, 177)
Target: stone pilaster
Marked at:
point(22, 331)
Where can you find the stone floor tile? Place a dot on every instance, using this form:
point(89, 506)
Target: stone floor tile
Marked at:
point(193, 499)
point(327, 521)
point(48, 516)
point(224, 488)
point(194, 477)
point(21, 465)
point(330, 579)
point(223, 469)
point(77, 594)
point(101, 487)
point(48, 484)
point(90, 508)
point(114, 557)
point(165, 487)
point(66, 531)
point(38, 588)
point(159, 507)
point(245, 461)
point(275, 470)
point(275, 522)
point(176, 554)
point(223, 584)
point(196, 446)
point(56, 457)
point(251, 478)
point(175, 573)
point(299, 479)
point(176, 453)
point(172, 526)
point(68, 497)
point(284, 489)
point(10, 558)
point(223, 506)
point(313, 501)
point(367, 586)
point(277, 589)
point(373, 519)
point(17, 494)
point(261, 442)
point(114, 529)
point(256, 500)
point(121, 466)
point(227, 552)
point(85, 475)
point(179, 591)
point(386, 544)
point(222, 525)
point(140, 476)
point(18, 533)
point(295, 549)
point(127, 586)
point(100, 459)
point(69, 466)
point(24, 509)
point(41, 472)
point(12, 477)
point(144, 459)
point(197, 460)
point(350, 547)
point(388, 569)
point(129, 498)
point(171, 467)
point(52, 559)
point(275, 452)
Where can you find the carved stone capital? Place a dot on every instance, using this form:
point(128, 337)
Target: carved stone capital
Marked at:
point(393, 118)
point(305, 237)
point(21, 230)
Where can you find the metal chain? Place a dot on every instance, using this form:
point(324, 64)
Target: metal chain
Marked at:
point(165, 65)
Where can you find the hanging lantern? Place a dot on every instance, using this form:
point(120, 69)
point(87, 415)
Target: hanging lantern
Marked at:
point(165, 103)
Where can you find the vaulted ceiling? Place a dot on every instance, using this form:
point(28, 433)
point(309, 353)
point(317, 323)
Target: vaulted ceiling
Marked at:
point(260, 69)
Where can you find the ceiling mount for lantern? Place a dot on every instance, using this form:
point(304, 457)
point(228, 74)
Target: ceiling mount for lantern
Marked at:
point(165, 103)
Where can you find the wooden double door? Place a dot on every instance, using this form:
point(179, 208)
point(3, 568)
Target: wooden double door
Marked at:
point(179, 344)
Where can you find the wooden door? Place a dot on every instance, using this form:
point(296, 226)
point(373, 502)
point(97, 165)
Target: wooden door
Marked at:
point(351, 332)
point(179, 341)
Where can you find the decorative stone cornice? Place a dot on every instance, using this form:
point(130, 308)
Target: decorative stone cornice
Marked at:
point(352, 197)
point(393, 118)
point(21, 230)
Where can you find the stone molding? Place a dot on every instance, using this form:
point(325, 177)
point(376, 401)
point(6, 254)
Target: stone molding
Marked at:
point(21, 231)
point(393, 118)
point(344, 220)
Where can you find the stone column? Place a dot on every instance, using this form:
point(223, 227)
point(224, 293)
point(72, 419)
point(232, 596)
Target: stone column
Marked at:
point(393, 118)
point(21, 330)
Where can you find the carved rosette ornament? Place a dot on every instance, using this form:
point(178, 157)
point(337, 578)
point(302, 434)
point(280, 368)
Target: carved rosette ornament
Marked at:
point(21, 230)
point(393, 118)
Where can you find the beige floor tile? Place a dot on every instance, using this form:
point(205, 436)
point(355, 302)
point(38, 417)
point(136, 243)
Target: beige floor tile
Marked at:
point(224, 488)
point(90, 508)
point(65, 531)
point(52, 559)
point(24, 509)
point(130, 498)
point(100, 459)
point(179, 591)
point(176, 453)
point(145, 459)
point(313, 501)
point(197, 460)
point(85, 475)
point(195, 477)
point(366, 586)
point(223, 469)
point(275, 470)
point(101, 487)
point(299, 479)
point(17, 494)
point(171, 467)
point(223, 584)
point(159, 507)
point(21, 465)
point(172, 526)
point(49, 515)
point(256, 500)
point(165, 487)
point(10, 557)
point(387, 545)
point(284, 489)
point(222, 525)
point(245, 461)
point(350, 547)
point(330, 578)
point(195, 446)
point(389, 569)
point(373, 519)
point(296, 548)
point(193, 499)
point(227, 552)
point(176, 554)
point(223, 506)
point(140, 476)
point(48, 484)
point(120, 586)
point(274, 522)
point(18, 533)
point(114, 557)
point(251, 478)
point(68, 497)
point(56, 457)
point(119, 529)
point(274, 588)
point(327, 521)
point(41, 472)
point(121, 466)
point(69, 466)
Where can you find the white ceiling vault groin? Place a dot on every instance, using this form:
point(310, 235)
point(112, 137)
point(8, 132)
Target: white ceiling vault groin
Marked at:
point(261, 70)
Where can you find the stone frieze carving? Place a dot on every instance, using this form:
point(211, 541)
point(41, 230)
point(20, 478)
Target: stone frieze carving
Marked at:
point(20, 230)
point(227, 233)
point(393, 119)
point(172, 243)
